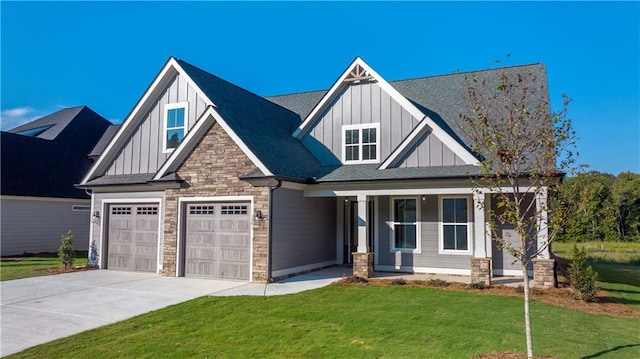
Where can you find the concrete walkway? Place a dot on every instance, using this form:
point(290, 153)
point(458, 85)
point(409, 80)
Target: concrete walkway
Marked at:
point(41, 309)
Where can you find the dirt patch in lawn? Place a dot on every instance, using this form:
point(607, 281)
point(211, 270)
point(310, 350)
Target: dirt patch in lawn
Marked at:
point(562, 296)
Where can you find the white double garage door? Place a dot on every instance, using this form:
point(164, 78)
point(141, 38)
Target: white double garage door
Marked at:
point(216, 240)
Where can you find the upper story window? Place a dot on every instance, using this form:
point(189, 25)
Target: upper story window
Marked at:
point(360, 143)
point(174, 119)
point(454, 225)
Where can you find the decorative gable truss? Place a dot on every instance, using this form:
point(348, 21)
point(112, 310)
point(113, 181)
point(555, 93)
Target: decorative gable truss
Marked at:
point(162, 129)
point(363, 119)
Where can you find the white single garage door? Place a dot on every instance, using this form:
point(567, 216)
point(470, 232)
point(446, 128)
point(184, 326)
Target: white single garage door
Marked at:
point(133, 237)
point(218, 241)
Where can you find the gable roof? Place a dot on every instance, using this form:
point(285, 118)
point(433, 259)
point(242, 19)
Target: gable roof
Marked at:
point(264, 127)
point(437, 97)
point(50, 163)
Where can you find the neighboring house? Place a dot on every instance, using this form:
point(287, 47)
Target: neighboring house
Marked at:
point(206, 179)
point(42, 161)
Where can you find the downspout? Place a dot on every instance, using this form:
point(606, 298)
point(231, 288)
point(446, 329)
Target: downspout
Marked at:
point(270, 231)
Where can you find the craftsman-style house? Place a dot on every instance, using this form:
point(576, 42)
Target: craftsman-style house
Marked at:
point(206, 179)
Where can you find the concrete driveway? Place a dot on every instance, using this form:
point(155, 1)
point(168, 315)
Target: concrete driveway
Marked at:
point(42, 309)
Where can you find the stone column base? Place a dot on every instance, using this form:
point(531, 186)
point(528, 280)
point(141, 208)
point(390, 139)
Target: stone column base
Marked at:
point(363, 265)
point(543, 273)
point(481, 270)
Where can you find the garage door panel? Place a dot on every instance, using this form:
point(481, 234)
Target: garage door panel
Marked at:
point(217, 243)
point(133, 238)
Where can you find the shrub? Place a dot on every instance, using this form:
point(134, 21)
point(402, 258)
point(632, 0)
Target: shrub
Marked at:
point(582, 276)
point(437, 283)
point(398, 281)
point(356, 280)
point(65, 251)
point(93, 254)
point(477, 285)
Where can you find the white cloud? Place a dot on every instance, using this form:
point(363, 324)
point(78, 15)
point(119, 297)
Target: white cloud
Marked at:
point(17, 116)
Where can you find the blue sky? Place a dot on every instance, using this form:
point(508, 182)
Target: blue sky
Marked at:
point(105, 54)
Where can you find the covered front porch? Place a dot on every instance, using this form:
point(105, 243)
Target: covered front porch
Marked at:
point(434, 231)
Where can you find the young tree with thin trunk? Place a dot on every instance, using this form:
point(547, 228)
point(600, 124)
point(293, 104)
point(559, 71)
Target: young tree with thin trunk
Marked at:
point(524, 150)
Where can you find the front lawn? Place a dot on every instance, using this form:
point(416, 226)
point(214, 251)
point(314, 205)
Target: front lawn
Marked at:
point(352, 322)
point(34, 266)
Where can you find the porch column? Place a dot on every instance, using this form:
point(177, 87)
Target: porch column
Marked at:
point(480, 264)
point(479, 230)
point(543, 230)
point(362, 259)
point(362, 223)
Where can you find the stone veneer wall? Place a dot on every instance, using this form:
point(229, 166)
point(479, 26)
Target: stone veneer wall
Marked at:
point(481, 270)
point(212, 169)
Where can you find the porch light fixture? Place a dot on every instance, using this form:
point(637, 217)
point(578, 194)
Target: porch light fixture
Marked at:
point(95, 217)
point(424, 197)
point(258, 214)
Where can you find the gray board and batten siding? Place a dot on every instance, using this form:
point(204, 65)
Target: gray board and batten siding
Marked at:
point(53, 219)
point(304, 229)
point(143, 152)
point(367, 102)
point(429, 234)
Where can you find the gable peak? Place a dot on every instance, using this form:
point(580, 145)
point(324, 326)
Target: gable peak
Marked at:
point(358, 73)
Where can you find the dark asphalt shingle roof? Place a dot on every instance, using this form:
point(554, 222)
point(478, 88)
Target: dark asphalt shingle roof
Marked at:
point(50, 165)
point(263, 126)
point(370, 172)
point(103, 142)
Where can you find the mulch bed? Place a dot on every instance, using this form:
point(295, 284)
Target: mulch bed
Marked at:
point(60, 270)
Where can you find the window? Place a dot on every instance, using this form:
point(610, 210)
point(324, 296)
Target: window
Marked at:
point(201, 209)
point(405, 224)
point(233, 210)
point(141, 211)
point(361, 143)
point(80, 208)
point(455, 224)
point(174, 125)
point(121, 210)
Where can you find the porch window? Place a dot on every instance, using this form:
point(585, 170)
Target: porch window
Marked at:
point(174, 125)
point(455, 225)
point(405, 224)
point(360, 143)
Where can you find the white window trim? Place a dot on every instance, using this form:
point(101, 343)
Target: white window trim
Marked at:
point(173, 106)
point(441, 249)
point(392, 222)
point(360, 127)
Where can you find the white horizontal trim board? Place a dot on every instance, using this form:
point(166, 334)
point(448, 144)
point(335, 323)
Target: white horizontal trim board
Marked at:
point(328, 192)
point(425, 270)
point(46, 199)
point(304, 268)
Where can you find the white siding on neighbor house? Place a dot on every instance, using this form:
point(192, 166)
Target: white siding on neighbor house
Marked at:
point(359, 103)
point(143, 153)
point(429, 256)
point(35, 225)
point(101, 201)
point(430, 151)
point(304, 229)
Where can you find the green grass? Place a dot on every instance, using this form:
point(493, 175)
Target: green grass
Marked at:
point(25, 267)
point(613, 252)
point(351, 322)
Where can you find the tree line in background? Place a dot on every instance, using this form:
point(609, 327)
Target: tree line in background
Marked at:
point(601, 207)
